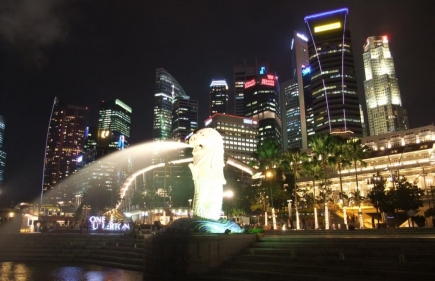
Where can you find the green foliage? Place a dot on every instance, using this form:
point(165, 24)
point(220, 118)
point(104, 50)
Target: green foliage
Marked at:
point(408, 196)
point(255, 229)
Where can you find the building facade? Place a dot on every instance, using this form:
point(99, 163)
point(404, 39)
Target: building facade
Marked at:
point(409, 153)
point(292, 91)
point(243, 73)
point(218, 97)
point(262, 103)
point(114, 124)
point(384, 104)
point(65, 142)
point(240, 135)
point(166, 90)
point(333, 82)
point(184, 118)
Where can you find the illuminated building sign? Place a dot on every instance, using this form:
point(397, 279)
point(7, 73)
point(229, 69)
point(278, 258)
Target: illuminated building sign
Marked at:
point(100, 223)
point(326, 27)
point(249, 83)
point(306, 70)
point(208, 121)
point(263, 70)
point(247, 121)
point(270, 81)
point(303, 37)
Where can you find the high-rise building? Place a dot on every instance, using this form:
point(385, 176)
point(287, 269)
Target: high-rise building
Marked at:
point(2, 153)
point(243, 73)
point(293, 105)
point(184, 118)
point(166, 90)
point(218, 97)
point(240, 135)
point(333, 80)
point(114, 124)
point(65, 142)
point(262, 97)
point(384, 104)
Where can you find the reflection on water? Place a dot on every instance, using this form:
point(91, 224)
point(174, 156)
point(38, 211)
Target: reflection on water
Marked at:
point(49, 271)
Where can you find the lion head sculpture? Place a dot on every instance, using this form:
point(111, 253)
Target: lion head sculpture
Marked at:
point(208, 152)
point(207, 172)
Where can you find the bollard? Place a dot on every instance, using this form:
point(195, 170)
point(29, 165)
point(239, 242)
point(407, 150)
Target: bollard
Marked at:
point(342, 256)
point(401, 258)
point(135, 245)
point(292, 254)
point(116, 244)
point(252, 252)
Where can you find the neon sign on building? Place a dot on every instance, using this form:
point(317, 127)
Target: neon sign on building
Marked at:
point(270, 81)
point(249, 83)
point(326, 27)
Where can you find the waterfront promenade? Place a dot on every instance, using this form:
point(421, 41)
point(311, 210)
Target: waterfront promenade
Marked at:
point(361, 254)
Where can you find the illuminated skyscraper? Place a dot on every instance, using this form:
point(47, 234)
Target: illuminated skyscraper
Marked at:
point(293, 105)
point(184, 118)
point(218, 97)
point(114, 124)
point(333, 81)
point(2, 153)
point(384, 105)
point(262, 103)
point(166, 90)
point(242, 73)
point(65, 142)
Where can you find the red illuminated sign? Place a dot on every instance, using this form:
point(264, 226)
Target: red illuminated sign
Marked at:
point(271, 77)
point(249, 83)
point(267, 82)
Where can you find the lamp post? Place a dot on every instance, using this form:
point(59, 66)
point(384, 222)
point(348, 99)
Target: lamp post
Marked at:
point(228, 194)
point(269, 175)
point(190, 208)
point(290, 213)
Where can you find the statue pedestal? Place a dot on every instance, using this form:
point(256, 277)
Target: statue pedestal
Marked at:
point(172, 256)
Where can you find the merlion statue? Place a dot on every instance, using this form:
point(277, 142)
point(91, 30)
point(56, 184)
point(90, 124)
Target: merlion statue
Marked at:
point(207, 173)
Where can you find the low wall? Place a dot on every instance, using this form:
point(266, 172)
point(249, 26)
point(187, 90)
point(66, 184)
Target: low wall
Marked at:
point(168, 256)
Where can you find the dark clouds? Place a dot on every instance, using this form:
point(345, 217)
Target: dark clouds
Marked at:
point(32, 27)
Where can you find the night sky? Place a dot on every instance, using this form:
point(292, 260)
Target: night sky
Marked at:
point(84, 52)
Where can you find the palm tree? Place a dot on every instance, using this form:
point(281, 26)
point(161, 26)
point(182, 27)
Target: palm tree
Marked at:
point(355, 153)
point(342, 161)
point(313, 169)
point(324, 147)
point(268, 158)
point(292, 162)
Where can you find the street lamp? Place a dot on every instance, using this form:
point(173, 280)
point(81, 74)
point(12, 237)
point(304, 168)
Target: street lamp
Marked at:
point(290, 213)
point(228, 194)
point(270, 175)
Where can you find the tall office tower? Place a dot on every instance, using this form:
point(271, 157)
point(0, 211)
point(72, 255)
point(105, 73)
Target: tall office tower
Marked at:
point(65, 141)
point(166, 90)
point(243, 73)
point(218, 97)
point(333, 79)
point(261, 97)
point(240, 135)
point(384, 105)
point(114, 123)
point(184, 118)
point(293, 105)
point(2, 153)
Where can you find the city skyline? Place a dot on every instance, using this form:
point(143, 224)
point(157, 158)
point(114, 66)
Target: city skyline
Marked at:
point(84, 53)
